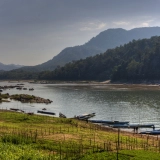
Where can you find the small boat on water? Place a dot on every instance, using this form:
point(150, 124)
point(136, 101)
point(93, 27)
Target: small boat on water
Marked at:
point(62, 115)
point(21, 84)
point(154, 132)
point(134, 126)
point(45, 112)
point(19, 88)
point(85, 116)
point(108, 122)
point(14, 109)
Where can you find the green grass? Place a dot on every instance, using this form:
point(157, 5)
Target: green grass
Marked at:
point(36, 137)
point(123, 155)
point(22, 152)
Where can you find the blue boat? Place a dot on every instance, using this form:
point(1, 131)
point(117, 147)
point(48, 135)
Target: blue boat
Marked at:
point(134, 126)
point(108, 122)
point(119, 125)
point(154, 132)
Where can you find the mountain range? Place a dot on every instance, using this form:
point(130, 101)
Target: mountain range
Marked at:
point(107, 39)
point(4, 67)
point(136, 61)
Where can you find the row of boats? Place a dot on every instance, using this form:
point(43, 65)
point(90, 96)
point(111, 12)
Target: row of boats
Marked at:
point(20, 88)
point(113, 124)
point(120, 124)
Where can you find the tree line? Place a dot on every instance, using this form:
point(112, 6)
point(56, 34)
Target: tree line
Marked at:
point(137, 60)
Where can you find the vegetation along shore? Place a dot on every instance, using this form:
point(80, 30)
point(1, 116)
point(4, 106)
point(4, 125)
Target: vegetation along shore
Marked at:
point(37, 137)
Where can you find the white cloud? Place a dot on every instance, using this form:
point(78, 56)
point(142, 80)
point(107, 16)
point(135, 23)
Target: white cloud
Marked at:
point(91, 26)
point(142, 21)
point(121, 23)
point(100, 26)
point(145, 24)
point(85, 29)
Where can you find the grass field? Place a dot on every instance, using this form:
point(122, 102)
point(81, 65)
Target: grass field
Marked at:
point(34, 137)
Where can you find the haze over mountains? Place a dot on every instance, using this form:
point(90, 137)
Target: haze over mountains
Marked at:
point(9, 67)
point(108, 39)
point(135, 62)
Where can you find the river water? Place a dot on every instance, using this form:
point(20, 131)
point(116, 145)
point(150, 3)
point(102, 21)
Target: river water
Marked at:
point(133, 103)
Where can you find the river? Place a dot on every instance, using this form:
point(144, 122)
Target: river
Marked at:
point(134, 103)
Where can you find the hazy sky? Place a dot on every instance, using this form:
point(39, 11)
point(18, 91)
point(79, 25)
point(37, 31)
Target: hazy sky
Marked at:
point(34, 31)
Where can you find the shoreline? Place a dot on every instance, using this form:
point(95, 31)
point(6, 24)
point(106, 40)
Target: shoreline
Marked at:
point(107, 82)
point(124, 132)
point(90, 83)
point(105, 85)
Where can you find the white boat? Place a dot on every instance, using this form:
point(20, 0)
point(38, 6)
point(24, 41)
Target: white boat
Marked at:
point(86, 116)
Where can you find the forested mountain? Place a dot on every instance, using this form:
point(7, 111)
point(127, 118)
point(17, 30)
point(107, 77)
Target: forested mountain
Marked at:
point(137, 60)
point(108, 39)
point(67, 55)
point(9, 67)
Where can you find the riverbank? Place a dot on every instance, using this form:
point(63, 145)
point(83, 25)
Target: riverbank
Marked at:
point(107, 82)
point(60, 138)
point(133, 103)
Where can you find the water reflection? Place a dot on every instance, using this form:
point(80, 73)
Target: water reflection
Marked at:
point(137, 105)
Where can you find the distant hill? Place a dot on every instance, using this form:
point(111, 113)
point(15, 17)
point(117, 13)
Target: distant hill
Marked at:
point(108, 39)
point(9, 67)
point(136, 61)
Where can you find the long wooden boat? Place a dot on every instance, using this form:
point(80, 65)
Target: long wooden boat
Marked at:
point(154, 132)
point(14, 109)
point(126, 125)
point(45, 112)
point(108, 122)
point(134, 126)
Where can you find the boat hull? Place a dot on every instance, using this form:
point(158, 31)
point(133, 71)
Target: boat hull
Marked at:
point(44, 112)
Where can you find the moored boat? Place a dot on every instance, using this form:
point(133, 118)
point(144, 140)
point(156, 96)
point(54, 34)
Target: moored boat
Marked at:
point(108, 122)
point(14, 109)
point(45, 112)
point(134, 126)
point(85, 116)
point(154, 132)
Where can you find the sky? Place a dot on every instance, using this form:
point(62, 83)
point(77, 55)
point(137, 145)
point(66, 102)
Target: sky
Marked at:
point(34, 31)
